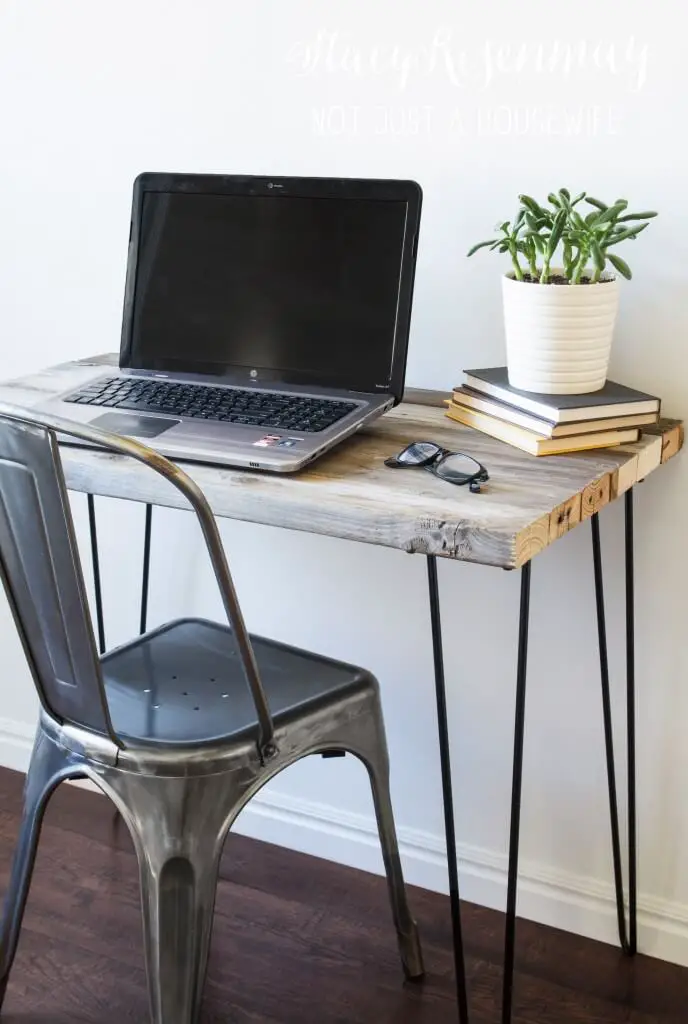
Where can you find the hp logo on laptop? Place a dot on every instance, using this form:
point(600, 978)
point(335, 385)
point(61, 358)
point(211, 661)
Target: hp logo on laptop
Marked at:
point(253, 374)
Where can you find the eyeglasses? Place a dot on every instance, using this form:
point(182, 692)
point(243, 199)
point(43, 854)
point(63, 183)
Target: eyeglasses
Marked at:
point(454, 467)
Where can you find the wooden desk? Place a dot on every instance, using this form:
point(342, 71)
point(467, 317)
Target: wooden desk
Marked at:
point(350, 494)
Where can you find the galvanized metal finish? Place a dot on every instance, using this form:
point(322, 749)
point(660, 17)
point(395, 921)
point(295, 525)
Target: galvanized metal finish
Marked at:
point(28, 434)
point(42, 576)
point(179, 804)
point(179, 797)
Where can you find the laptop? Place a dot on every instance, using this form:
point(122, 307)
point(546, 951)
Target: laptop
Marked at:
point(265, 319)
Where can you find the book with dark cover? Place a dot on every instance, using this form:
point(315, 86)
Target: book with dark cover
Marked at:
point(480, 402)
point(612, 400)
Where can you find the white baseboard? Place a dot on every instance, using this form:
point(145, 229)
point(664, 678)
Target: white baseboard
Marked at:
point(16, 741)
point(575, 903)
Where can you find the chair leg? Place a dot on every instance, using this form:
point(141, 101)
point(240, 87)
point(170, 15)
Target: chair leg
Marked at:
point(178, 826)
point(376, 760)
point(46, 770)
point(407, 930)
point(178, 897)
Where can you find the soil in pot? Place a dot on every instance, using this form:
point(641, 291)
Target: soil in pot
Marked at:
point(560, 279)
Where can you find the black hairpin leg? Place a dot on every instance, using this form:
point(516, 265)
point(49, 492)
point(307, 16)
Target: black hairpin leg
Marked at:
point(627, 936)
point(445, 763)
point(146, 568)
point(516, 787)
point(630, 728)
point(96, 572)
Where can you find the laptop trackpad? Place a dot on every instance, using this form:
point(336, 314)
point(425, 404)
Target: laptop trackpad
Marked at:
point(132, 425)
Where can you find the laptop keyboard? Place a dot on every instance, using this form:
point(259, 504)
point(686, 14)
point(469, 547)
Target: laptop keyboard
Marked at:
point(204, 402)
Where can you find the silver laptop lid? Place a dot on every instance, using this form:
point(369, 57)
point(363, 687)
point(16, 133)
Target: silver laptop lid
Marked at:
point(297, 280)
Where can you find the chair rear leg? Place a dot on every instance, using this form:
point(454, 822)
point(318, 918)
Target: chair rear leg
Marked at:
point(407, 930)
point(376, 760)
point(47, 767)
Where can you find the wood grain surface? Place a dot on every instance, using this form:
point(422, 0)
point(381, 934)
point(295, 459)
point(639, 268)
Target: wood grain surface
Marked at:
point(349, 493)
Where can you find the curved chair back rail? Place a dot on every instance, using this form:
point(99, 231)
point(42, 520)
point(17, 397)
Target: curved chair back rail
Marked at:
point(41, 568)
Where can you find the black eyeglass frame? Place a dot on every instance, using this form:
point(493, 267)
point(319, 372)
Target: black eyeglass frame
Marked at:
point(434, 460)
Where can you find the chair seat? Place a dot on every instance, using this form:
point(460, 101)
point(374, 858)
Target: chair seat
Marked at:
point(184, 684)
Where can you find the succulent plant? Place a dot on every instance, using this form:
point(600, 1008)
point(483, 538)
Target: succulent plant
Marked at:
point(538, 231)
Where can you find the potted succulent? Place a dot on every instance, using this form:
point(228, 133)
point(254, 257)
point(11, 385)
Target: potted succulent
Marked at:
point(561, 295)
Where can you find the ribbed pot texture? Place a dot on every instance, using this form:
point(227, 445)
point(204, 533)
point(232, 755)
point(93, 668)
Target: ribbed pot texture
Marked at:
point(559, 337)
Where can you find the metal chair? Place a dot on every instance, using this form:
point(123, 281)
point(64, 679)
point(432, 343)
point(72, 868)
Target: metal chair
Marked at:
point(180, 727)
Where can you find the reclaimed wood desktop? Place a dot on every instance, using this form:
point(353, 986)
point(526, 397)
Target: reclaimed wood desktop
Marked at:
point(349, 493)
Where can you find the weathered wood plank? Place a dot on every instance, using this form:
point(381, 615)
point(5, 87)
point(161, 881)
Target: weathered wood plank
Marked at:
point(671, 432)
point(350, 494)
point(531, 541)
point(625, 476)
point(647, 452)
point(564, 517)
point(596, 495)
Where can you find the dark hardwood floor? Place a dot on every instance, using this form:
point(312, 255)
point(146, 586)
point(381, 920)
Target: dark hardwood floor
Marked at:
point(295, 940)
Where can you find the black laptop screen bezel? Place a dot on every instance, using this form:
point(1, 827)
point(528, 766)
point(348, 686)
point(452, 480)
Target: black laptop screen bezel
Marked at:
point(408, 192)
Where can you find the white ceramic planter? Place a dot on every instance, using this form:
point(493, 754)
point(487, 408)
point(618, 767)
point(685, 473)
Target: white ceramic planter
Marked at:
point(559, 337)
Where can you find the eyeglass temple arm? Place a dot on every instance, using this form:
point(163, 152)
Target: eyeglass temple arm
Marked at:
point(211, 535)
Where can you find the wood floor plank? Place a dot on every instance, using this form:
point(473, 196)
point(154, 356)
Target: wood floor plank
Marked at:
point(296, 941)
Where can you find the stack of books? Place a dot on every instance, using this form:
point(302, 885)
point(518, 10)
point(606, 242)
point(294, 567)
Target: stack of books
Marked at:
point(551, 424)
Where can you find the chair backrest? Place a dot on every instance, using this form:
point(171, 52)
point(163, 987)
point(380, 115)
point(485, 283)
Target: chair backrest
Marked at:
point(41, 568)
point(42, 575)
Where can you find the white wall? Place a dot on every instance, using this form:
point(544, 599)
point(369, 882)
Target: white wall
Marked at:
point(477, 103)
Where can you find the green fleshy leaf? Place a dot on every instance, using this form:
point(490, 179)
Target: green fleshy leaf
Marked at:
point(646, 215)
point(596, 202)
point(557, 232)
point(532, 205)
point(597, 255)
point(620, 265)
point(628, 233)
point(612, 212)
point(481, 245)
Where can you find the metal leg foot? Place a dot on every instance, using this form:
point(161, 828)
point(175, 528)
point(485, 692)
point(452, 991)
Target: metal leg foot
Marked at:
point(519, 732)
point(448, 799)
point(48, 762)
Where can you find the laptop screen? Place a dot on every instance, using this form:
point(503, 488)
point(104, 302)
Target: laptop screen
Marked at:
point(284, 287)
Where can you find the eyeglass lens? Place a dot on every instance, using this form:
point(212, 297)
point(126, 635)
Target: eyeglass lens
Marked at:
point(458, 467)
point(419, 451)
